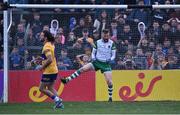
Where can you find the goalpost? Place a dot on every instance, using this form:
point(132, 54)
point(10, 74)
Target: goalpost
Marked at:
point(8, 10)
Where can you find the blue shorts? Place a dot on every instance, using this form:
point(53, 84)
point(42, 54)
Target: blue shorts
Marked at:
point(49, 77)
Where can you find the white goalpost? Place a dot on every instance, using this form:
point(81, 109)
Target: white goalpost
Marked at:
point(8, 11)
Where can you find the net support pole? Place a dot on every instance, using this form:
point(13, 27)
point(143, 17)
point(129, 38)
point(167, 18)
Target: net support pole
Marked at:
point(10, 10)
point(5, 35)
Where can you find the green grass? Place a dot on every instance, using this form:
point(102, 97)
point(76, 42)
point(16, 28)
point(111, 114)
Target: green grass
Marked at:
point(94, 108)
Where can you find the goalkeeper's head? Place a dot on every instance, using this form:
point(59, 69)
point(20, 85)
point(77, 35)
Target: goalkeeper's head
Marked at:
point(105, 35)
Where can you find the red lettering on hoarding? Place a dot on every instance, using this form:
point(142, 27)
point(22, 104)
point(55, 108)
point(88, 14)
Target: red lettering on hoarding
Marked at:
point(125, 91)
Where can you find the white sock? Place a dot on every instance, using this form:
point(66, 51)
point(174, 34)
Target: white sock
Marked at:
point(56, 99)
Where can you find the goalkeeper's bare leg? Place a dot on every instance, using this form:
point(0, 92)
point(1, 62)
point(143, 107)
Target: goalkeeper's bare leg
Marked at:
point(77, 73)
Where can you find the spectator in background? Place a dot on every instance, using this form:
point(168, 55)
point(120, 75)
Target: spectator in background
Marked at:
point(83, 59)
point(158, 49)
point(161, 60)
point(156, 32)
point(54, 27)
point(16, 59)
point(174, 24)
point(36, 24)
point(75, 50)
point(167, 11)
point(79, 28)
point(128, 55)
point(170, 51)
point(20, 31)
point(102, 22)
point(46, 27)
point(60, 36)
point(120, 19)
point(96, 35)
point(31, 41)
point(131, 47)
point(89, 24)
point(139, 15)
point(140, 60)
point(71, 39)
point(58, 47)
point(60, 42)
point(149, 57)
point(151, 46)
point(120, 64)
point(23, 22)
point(87, 51)
point(64, 62)
point(118, 14)
point(176, 47)
point(177, 32)
point(172, 63)
point(21, 48)
point(114, 31)
point(143, 44)
point(166, 33)
point(129, 65)
point(72, 24)
point(159, 16)
point(155, 64)
point(166, 46)
point(85, 40)
point(126, 36)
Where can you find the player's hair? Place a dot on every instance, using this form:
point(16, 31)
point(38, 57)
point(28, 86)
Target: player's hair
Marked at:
point(49, 36)
point(105, 31)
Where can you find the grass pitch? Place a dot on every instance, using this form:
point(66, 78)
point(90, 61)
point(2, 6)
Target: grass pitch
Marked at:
point(165, 107)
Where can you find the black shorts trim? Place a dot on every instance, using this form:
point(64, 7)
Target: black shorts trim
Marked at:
point(48, 77)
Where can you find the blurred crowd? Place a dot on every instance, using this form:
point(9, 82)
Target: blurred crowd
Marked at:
point(145, 38)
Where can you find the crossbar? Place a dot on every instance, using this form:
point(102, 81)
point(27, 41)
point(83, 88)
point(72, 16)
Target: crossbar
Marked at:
point(92, 6)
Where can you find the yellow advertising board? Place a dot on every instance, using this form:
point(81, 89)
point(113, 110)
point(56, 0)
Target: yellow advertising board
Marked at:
point(136, 85)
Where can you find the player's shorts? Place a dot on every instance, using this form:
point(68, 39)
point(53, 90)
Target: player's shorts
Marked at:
point(103, 66)
point(49, 77)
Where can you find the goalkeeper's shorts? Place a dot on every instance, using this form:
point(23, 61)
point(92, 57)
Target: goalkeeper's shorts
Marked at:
point(103, 66)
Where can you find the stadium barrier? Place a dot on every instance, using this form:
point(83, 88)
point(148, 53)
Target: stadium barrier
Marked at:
point(147, 85)
point(23, 87)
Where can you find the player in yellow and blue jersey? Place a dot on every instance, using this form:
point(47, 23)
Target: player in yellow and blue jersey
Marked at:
point(49, 68)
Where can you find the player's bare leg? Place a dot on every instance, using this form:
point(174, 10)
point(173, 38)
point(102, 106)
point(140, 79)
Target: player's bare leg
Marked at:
point(51, 88)
point(85, 68)
point(44, 90)
point(108, 77)
point(48, 89)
